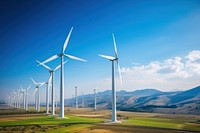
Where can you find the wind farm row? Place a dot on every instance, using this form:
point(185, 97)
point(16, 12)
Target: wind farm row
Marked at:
point(15, 97)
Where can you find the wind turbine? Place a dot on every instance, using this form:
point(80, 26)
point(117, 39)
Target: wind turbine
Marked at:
point(76, 97)
point(82, 99)
point(25, 96)
point(95, 99)
point(17, 95)
point(15, 99)
point(36, 97)
point(62, 55)
point(23, 93)
point(51, 80)
point(38, 85)
point(113, 59)
point(9, 100)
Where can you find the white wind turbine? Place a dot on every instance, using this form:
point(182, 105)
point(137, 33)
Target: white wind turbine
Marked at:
point(15, 95)
point(23, 93)
point(37, 89)
point(62, 55)
point(14, 99)
point(20, 99)
point(25, 96)
point(36, 97)
point(18, 95)
point(11, 100)
point(113, 59)
point(51, 80)
point(76, 91)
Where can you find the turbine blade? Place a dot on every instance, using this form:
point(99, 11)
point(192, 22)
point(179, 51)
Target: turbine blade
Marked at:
point(34, 91)
point(49, 59)
point(115, 47)
point(49, 81)
point(40, 63)
point(28, 88)
point(120, 75)
point(67, 40)
point(107, 57)
point(60, 65)
point(41, 83)
point(34, 81)
point(75, 58)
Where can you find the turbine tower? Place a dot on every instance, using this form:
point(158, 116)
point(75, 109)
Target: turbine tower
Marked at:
point(38, 85)
point(76, 97)
point(34, 93)
point(95, 100)
point(50, 81)
point(113, 59)
point(15, 98)
point(62, 55)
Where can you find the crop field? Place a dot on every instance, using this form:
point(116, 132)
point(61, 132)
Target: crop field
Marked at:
point(84, 120)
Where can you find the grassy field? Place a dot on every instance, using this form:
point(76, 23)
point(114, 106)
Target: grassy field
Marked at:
point(90, 121)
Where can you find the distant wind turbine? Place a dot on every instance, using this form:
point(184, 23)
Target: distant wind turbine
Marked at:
point(113, 59)
point(95, 99)
point(15, 99)
point(23, 93)
point(61, 55)
point(38, 85)
point(18, 100)
point(36, 97)
point(76, 91)
point(25, 96)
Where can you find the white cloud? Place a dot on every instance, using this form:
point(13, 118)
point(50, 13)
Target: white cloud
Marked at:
point(177, 73)
point(193, 56)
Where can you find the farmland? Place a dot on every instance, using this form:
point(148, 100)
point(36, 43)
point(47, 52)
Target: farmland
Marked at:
point(84, 120)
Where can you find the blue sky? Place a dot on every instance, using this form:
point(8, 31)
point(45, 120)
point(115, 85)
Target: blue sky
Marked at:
point(158, 43)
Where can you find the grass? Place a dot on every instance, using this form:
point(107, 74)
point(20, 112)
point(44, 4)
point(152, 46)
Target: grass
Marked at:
point(49, 120)
point(164, 123)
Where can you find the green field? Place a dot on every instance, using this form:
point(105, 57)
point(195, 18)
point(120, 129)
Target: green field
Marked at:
point(165, 123)
point(90, 121)
point(49, 120)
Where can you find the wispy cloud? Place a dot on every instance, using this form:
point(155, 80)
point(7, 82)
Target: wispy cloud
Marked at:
point(176, 73)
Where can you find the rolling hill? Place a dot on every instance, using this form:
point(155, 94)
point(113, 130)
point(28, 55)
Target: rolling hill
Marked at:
point(147, 100)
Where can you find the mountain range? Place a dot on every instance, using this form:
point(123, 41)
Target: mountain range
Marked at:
point(146, 100)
